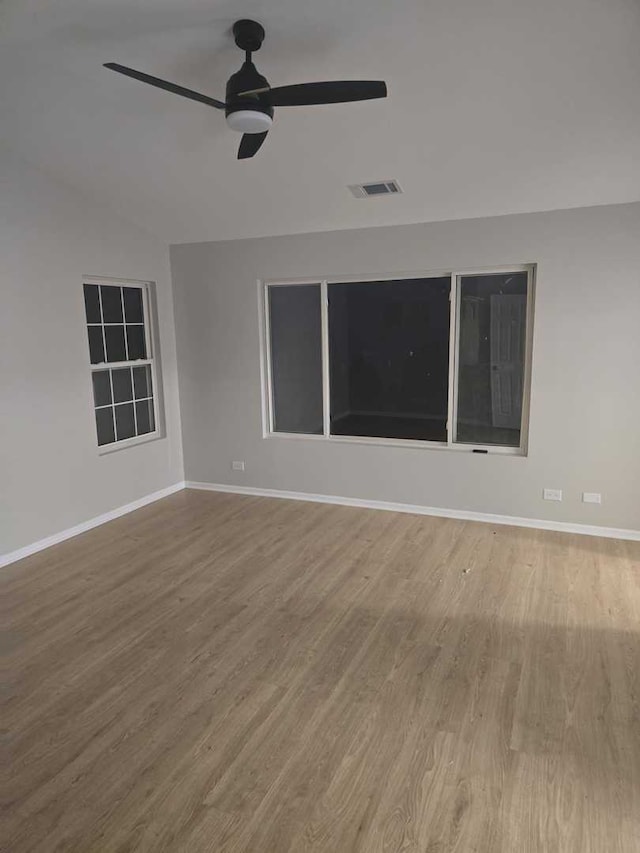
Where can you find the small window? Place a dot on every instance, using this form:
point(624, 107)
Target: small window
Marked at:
point(121, 357)
point(436, 359)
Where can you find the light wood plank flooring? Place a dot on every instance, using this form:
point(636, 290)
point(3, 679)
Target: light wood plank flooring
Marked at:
point(226, 673)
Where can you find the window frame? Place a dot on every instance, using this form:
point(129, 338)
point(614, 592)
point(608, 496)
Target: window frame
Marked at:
point(150, 361)
point(268, 431)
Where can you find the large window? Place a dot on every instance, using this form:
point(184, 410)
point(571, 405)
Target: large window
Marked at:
point(439, 359)
point(122, 365)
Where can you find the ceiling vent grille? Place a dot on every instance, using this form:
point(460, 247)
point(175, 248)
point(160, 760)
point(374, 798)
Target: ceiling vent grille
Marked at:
point(377, 188)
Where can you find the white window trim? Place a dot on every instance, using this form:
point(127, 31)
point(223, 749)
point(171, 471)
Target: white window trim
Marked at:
point(266, 376)
point(150, 361)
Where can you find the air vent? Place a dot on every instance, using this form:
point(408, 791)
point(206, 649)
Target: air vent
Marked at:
point(377, 188)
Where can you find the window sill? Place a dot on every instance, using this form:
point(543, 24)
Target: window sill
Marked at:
point(105, 449)
point(485, 449)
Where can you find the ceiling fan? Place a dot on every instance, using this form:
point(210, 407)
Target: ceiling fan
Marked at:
point(249, 97)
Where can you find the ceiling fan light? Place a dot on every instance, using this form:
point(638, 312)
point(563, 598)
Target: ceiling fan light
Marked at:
point(249, 121)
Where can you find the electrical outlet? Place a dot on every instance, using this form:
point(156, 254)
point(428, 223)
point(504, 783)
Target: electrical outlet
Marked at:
point(552, 494)
point(238, 466)
point(591, 498)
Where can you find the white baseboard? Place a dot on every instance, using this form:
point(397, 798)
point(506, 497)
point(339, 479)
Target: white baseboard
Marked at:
point(465, 515)
point(13, 556)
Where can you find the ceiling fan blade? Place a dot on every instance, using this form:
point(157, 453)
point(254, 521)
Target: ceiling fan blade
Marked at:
point(163, 84)
point(250, 144)
point(335, 92)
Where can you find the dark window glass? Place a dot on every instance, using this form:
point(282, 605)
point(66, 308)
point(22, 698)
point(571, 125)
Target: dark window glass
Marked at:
point(92, 303)
point(144, 417)
point(114, 336)
point(125, 424)
point(101, 388)
point(133, 304)
point(96, 344)
point(491, 355)
point(111, 304)
point(142, 382)
point(122, 388)
point(296, 358)
point(135, 342)
point(389, 358)
point(104, 426)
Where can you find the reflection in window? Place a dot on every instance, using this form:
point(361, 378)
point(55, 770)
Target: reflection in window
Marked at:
point(491, 358)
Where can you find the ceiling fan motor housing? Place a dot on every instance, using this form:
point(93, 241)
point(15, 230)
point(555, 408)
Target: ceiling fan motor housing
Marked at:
point(247, 111)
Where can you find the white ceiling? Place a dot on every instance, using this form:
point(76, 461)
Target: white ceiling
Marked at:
point(495, 106)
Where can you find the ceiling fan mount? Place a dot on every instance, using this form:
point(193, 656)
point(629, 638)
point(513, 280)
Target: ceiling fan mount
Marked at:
point(250, 100)
point(248, 35)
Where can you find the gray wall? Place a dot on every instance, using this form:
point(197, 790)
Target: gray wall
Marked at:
point(51, 475)
point(585, 403)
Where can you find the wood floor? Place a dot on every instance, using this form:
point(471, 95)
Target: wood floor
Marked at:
point(226, 673)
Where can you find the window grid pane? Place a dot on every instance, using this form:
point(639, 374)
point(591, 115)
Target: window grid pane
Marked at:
point(145, 421)
point(115, 343)
point(133, 310)
point(142, 387)
point(116, 324)
point(123, 403)
point(102, 388)
point(111, 304)
point(122, 385)
point(96, 344)
point(125, 421)
point(135, 342)
point(92, 303)
point(120, 419)
point(104, 426)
